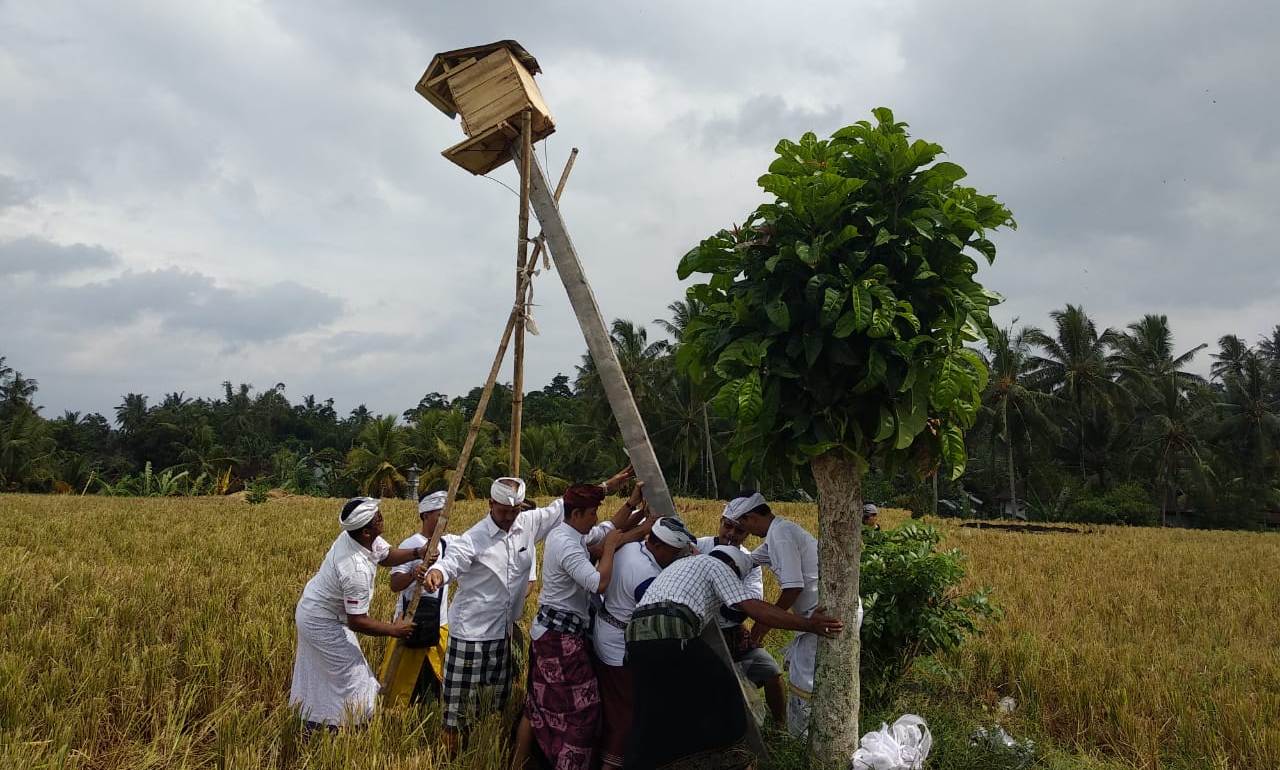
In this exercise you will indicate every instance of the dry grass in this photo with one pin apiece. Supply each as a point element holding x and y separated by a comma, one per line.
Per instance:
<point>150,633</point>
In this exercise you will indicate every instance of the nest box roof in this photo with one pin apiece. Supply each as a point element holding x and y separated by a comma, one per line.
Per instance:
<point>434,85</point>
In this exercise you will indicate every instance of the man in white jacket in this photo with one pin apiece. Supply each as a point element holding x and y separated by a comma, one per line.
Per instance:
<point>491,563</point>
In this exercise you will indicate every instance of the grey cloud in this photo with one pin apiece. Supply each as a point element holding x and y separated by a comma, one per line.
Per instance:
<point>763,119</point>
<point>1136,149</point>
<point>46,258</point>
<point>191,302</point>
<point>14,192</point>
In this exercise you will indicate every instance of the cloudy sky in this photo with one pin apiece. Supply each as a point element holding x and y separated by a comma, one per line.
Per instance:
<point>251,191</point>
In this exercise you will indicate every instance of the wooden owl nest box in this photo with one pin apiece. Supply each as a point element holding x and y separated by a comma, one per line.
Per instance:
<point>489,85</point>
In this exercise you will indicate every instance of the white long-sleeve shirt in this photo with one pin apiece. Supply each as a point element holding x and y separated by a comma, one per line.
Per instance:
<point>492,569</point>
<point>568,576</point>
<point>344,583</point>
<point>792,553</point>
<point>634,568</point>
<point>754,581</point>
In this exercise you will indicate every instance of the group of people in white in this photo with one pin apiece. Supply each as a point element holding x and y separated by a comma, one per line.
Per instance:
<point>617,639</point>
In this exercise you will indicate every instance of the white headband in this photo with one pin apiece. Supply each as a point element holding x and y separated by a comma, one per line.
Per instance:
<point>432,502</point>
<point>501,493</point>
<point>740,505</point>
<point>359,516</point>
<point>673,532</point>
<point>742,560</point>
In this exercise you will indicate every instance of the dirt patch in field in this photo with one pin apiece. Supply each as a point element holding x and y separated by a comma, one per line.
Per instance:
<point>1028,528</point>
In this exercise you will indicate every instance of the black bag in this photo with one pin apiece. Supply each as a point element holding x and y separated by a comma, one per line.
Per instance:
<point>426,618</point>
<point>426,622</point>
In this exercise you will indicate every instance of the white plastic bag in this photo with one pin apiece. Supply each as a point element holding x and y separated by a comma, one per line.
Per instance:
<point>904,746</point>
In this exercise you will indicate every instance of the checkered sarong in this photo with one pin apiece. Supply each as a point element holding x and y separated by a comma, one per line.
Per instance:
<point>473,668</point>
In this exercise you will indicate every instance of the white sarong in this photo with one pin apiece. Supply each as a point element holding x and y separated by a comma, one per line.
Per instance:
<point>801,657</point>
<point>332,682</point>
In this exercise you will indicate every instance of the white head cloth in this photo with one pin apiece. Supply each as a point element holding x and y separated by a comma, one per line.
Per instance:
<point>741,560</point>
<point>501,493</point>
<point>673,532</point>
<point>740,505</point>
<point>432,502</point>
<point>361,515</point>
<point>870,509</point>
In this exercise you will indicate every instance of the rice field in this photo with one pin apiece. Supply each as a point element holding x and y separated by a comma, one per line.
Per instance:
<point>158,633</point>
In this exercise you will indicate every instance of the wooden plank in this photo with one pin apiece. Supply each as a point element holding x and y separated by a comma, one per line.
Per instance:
<point>502,100</point>
<point>499,62</point>
<point>448,74</point>
<point>599,343</point>
<point>600,346</point>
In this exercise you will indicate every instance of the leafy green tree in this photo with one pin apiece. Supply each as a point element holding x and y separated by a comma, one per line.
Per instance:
<point>1173,436</point>
<point>1015,409</point>
<point>375,461</point>
<point>1229,360</point>
<point>1251,425</point>
<point>1144,354</point>
<point>834,334</point>
<point>1076,365</point>
<point>26,451</point>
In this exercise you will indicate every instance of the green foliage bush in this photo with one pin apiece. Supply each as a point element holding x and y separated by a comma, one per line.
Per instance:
<point>1122,504</point>
<point>912,603</point>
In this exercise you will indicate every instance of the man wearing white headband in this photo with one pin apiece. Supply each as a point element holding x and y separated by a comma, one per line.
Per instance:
<point>332,682</point>
<point>635,566</point>
<point>754,661</point>
<point>704,725</point>
<point>491,563</point>
<point>432,609</point>
<point>791,553</point>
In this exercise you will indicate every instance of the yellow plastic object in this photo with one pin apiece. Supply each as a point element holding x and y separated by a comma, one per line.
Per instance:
<point>401,687</point>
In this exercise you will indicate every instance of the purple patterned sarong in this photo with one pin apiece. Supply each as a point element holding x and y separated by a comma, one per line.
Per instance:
<point>563,704</point>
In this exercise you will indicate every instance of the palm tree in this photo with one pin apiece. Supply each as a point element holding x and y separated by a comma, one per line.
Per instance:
<point>1076,366</point>
<point>1251,417</point>
<point>1171,435</point>
<point>640,362</point>
<point>1229,360</point>
<point>544,450</point>
<point>1016,410</point>
<point>132,413</point>
<point>1269,346</point>
<point>26,451</point>
<point>379,453</point>
<point>1144,354</point>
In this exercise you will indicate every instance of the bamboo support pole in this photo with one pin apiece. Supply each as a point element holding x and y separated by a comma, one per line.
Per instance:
<point>473,430</point>
<point>522,252</point>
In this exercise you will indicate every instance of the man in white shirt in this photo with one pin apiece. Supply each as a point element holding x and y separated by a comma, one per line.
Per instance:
<point>427,648</point>
<point>698,727</point>
<point>491,562</point>
<point>332,682</point>
<point>634,568</point>
<point>562,706</point>
<point>792,554</point>
<point>754,661</point>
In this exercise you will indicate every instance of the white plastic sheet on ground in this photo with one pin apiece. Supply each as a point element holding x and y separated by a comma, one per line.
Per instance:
<point>904,746</point>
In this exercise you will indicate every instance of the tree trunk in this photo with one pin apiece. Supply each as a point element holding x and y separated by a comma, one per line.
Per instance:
<point>1013,487</point>
<point>711,460</point>
<point>833,727</point>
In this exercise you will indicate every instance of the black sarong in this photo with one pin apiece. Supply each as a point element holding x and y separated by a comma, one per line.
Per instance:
<point>686,708</point>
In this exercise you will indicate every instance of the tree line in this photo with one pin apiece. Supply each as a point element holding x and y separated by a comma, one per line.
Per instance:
<point>1078,423</point>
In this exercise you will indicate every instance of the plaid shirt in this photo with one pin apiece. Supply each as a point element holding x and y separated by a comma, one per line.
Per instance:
<point>702,583</point>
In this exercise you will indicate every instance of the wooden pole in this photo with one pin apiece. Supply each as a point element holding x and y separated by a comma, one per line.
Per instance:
<point>473,430</point>
<point>599,344</point>
<point>522,244</point>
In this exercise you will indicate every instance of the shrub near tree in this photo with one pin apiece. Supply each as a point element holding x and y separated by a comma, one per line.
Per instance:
<point>832,332</point>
